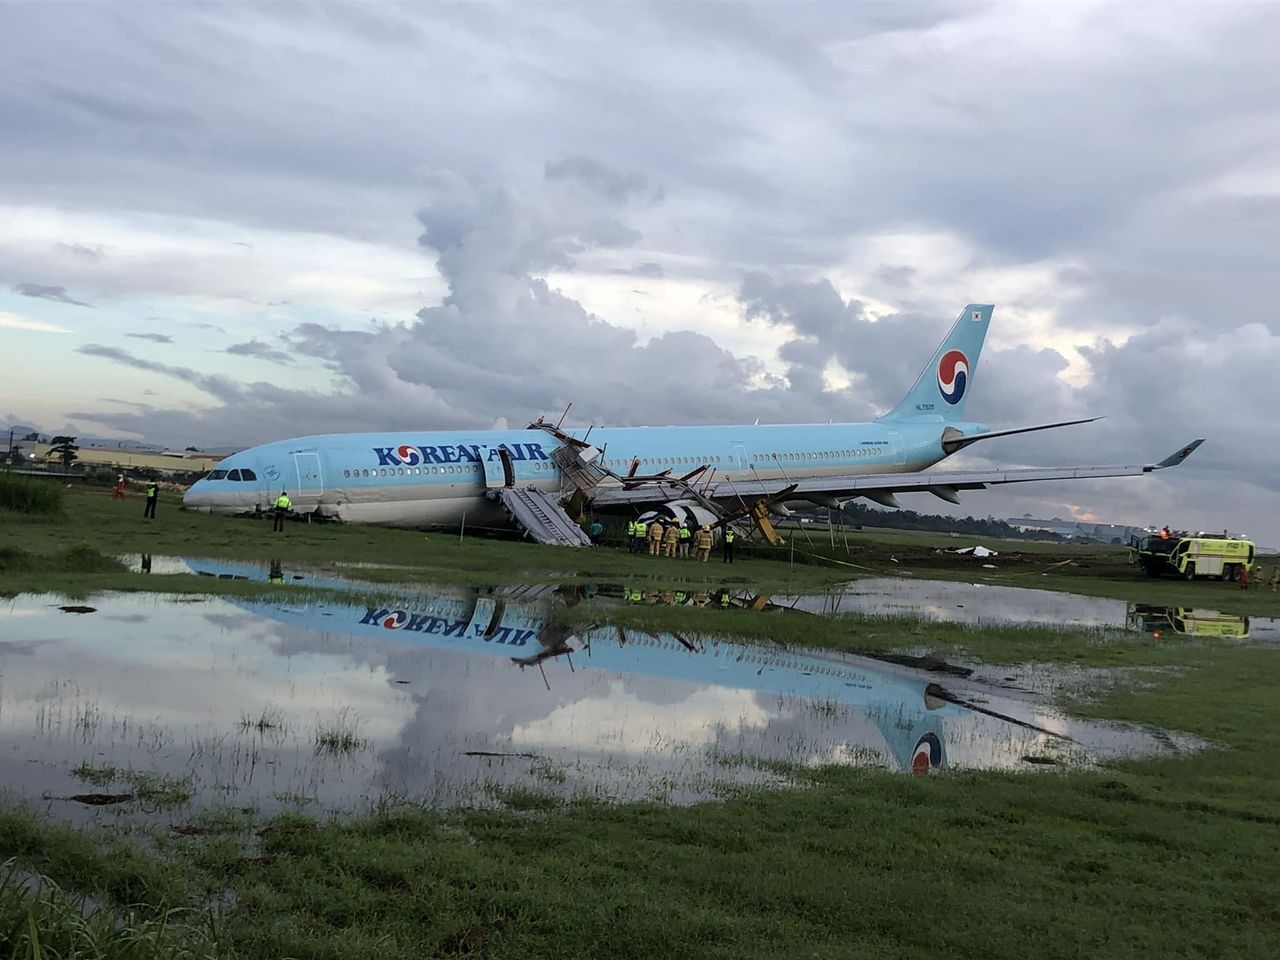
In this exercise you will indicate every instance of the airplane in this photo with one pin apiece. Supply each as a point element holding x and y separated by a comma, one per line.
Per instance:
<point>711,475</point>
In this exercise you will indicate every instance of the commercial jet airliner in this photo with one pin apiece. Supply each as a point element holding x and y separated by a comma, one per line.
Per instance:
<point>712,475</point>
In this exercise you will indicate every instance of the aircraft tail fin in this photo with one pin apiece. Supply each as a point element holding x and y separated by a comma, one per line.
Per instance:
<point>943,386</point>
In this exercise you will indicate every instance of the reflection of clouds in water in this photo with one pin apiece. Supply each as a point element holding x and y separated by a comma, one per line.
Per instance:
<point>618,721</point>
<point>965,603</point>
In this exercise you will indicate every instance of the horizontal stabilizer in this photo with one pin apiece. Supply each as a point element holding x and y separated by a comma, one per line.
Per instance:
<point>953,440</point>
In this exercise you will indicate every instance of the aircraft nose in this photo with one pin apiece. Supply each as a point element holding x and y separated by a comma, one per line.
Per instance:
<point>197,497</point>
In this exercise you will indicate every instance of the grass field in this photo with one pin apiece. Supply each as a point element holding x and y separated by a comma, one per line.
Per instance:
<point>1158,858</point>
<point>91,518</point>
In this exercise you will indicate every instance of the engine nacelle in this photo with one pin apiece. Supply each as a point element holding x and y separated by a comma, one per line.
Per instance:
<point>693,514</point>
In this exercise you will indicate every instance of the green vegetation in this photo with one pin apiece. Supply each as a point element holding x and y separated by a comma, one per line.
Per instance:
<point>73,560</point>
<point>38,919</point>
<point>31,498</point>
<point>1172,858</point>
<point>156,789</point>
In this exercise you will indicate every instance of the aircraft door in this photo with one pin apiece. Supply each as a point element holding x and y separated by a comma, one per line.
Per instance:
<point>310,479</point>
<point>508,468</point>
<point>494,475</point>
<point>739,456</point>
<point>899,449</point>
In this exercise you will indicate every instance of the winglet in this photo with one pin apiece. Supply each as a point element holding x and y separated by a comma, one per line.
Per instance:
<point>1176,458</point>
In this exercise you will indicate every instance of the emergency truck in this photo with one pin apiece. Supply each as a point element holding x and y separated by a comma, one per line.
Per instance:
<point>1190,556</point>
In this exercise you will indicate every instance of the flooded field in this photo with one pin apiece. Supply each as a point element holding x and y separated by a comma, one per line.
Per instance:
<point>936,600</point>
<point>167,703</point>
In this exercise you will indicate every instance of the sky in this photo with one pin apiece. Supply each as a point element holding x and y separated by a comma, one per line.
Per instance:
<point>223,224</point>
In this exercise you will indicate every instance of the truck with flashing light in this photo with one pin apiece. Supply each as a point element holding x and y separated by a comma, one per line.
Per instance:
<point>1191,556</point>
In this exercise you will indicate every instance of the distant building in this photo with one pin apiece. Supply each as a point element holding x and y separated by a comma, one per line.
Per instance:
<point>1078,530</point>
<point>136,458</point>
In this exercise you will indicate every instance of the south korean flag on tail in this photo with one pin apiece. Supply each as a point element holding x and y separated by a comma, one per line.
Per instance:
<point>975,315</point>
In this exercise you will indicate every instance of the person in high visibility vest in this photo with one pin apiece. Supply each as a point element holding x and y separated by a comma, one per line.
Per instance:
<point>642,531</point>
<point>153,496</point>
<point>631,536</point>
<point>685,537</point>
<point>283,506</point>
<point>729,537</point>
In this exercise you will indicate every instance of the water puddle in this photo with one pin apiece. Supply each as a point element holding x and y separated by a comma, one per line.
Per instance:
<point>937,600</point>
<point>167,704</point>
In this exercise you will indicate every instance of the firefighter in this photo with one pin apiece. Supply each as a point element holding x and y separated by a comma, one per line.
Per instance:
<point>685,536</point>
<point>702,543</point>
<point>670,539</point>
<point>153,495</point>
<point>1244,576</point>
<point>729,537</point>
<point>656,533</point>
<point>282,506</point>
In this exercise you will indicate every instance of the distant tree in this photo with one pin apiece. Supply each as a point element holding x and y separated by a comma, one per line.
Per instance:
<point>192,449</point>
<point>33,436</point>
<point>65,449</point>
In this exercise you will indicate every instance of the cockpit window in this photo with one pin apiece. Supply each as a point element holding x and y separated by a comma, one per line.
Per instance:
<point>247,474</point>
<point>233,475</point>
<point>217,475</point>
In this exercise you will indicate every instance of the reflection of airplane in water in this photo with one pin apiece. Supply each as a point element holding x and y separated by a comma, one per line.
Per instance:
<point>912,712</point>
<point>1202,623</point>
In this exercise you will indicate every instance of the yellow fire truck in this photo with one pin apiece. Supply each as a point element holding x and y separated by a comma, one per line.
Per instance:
<point>1191,556</point>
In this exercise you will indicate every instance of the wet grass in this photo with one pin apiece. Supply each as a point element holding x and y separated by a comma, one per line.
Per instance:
<point>41,920</point>
<point>92,518</point>
<point>1174,858</point>
<point>159,790</point>
<point>340,735</point>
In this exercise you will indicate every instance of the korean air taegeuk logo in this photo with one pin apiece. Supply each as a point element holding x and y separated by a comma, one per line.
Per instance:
<point>953,374</point>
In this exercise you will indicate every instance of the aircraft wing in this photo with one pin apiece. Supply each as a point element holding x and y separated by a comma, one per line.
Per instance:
<point>879,486</point>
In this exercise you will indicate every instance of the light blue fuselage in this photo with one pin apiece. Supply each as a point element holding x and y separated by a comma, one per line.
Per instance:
<point>427,478</point>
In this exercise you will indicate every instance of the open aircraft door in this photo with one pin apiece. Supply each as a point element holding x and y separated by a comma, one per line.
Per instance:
<point>499,472</point>
<point>310,480</point>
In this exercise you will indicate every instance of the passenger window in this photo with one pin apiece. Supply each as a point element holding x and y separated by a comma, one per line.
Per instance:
<point>366,473</point>
<point>248,475</point>
<point>233,475</point>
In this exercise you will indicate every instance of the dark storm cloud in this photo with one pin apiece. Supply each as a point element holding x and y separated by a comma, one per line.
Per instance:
<point>260,350</point>
<point>153,337</point>
<point>47,292</point>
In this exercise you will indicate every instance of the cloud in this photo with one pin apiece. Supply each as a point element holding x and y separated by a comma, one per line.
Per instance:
<point>648,269</point>
<point>45,292</point>
<point>15,322</point>
<point>256,348</point>
<point>153,337</point>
